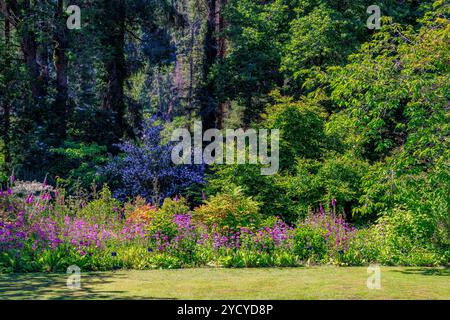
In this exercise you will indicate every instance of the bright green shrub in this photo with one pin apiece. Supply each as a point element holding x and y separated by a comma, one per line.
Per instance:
<point>301,128</point>
<point>171,206</point>
<point>163,218</point>
<point>253,259</point>
<point>310,243</point>
<point>317,182</point>
<point>230,209</point>
<point>269,191</point>
<point>102,208</point>
<point>363,249</point>
<point>408,239</point>
<point>414,207</point>
<point>293,196</point>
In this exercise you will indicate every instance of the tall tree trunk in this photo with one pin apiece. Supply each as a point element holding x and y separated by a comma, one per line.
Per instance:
<point>208,103</point>
<point>191,66</point>
<point>114,42</point>
<point>6,103</point>
<point>220,26</point>
<point>214,46</point>
<point>221,51</point>
<point>61,68</point>
<point>29,49</point>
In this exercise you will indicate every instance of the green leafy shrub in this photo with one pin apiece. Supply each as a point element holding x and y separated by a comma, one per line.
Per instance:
<point>231,209</point>
<point>163,218</point>
<point>365,248</point>
<point>301,128</point>
<point>293,195</point>
<point>171,207</point>
<point>316,183</point>
<point>310,244</point>
<point>253,259</point>
<point>407,239</point>
<point>78,164</point>
<point>269,191</point>
<point>103,208</point>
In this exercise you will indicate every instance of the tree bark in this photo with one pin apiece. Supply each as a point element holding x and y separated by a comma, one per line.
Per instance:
<point>220,27</point>
<point>208,103</point>
<point>29,49</point>
<point>114,42</point>
<point>61,67</point>
<point>214,46</point>
<point>6,104</point>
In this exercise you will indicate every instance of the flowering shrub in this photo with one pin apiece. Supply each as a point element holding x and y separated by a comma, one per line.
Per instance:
<point>323,237</point>
<point>147,170</point>
<point>25,188</point>
<point>140,211</point>
<point>103,208</point>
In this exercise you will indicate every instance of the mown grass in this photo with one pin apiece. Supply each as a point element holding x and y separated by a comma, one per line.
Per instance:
<point>270,283</point>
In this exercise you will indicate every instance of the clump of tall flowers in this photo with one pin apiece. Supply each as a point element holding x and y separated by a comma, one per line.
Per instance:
<point>323,236</point>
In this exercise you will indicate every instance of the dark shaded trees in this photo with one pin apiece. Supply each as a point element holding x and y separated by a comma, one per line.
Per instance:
<point>211,110</point>
<point>113,22</point>
<point>61,44</point>
<point>6,107</point>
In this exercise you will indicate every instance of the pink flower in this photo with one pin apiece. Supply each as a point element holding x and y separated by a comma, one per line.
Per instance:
<point>30,199</point>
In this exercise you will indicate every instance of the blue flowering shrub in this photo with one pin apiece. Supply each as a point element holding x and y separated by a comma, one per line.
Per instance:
<point>146,169</point>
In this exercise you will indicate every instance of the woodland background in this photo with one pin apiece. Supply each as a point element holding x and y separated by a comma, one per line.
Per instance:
<point>364,114</point>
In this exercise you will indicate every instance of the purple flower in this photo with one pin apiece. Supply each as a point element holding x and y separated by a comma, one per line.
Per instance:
<point>29,199</point>
<point>147,162</point>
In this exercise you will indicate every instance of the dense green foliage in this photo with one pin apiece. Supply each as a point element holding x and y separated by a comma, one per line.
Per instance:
<point>363,117</point>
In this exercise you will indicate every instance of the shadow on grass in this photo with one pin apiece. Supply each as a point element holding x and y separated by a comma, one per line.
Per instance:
<point>426,271</point>
<point>54,287</point>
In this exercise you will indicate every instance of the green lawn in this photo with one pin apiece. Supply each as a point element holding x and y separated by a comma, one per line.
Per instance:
<point>285,283</point>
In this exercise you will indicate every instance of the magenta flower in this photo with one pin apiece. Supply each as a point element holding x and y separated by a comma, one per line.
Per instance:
<point>30,199</point>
